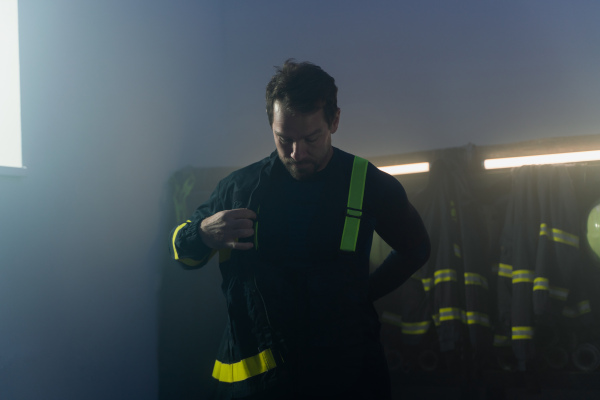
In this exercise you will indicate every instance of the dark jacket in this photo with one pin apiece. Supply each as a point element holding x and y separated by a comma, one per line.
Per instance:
<point>280,311</point>
<point>539,296</point>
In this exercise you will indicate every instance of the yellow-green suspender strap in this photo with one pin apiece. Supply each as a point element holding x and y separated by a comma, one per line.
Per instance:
<point>355,201</point>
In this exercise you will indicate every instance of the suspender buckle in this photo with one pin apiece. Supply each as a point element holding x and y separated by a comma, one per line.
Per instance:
<point>353,213</point>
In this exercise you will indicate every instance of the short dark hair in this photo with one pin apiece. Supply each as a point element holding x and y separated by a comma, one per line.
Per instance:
<point>302,87</point>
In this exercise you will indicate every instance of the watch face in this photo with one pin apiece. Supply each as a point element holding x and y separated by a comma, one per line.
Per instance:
<point>593,230</point>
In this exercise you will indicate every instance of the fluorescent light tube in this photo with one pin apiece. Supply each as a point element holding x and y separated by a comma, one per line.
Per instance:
<point>560,158</point>
<point>406,168</point>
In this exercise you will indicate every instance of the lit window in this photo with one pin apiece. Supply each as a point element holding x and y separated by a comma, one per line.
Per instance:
<point>10,96</point>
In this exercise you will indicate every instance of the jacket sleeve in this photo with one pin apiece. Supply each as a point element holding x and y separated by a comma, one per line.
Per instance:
<point>185,242</point>
<point>401,227</point>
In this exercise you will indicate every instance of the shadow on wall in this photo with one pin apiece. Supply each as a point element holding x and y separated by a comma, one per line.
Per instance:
<point>192,312</point>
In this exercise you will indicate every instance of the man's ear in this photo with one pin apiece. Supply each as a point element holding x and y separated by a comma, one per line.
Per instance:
<point>335,122</point>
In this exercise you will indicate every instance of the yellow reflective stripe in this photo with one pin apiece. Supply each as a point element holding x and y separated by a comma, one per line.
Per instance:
<point>522,337</point>
<point>559,236</point>
<point>523,275</point>
<point>541,284</point>
<point>522,332</point>
<point>186,261</point>
<point>457,250</point>
<point>444,275</point>
<point>457,314</point>
<point>472,278</point>
<point>453,212</point>
<point>355,201</point>
<point>452,313</point>
<point>474,317</point>
<point>559,293</point>
<point>500,341</point>
<point>415,328</point>
<point>583,307</point>
<point>505,270</point>
<point>244,369</point>
<point>391,318</point>
<point>176,255</point>
<point>408,328</point>
<point>427,284</point>
<point>555,292</point>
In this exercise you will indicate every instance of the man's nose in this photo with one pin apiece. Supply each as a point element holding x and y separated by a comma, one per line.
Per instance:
<point>298,151</point>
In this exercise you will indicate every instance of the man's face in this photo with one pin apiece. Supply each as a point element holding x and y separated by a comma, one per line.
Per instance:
<point>303,141</point>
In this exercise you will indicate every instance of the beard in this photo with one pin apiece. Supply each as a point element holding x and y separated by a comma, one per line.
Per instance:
<point>300,170</point>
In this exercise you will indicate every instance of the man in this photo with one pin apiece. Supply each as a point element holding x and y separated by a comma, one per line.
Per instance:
<point>293,232</point>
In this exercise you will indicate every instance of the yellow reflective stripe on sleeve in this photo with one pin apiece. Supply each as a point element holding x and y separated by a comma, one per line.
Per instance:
<point>541,284</point>
<point>355,201</point>
<point>522,332</point>
<point>472,278</point>
<point>501,341</point>
<point>415,328</point>
<point>427,284</point>
<point>391,318</point>
<point>456,314</point>
<point>408,328</point>
<point>175,254</point>
<point>523,275</point>
<point>559,236</point>
<point>474,317</point>
<point>244,369</point>
<point>457,250</point>
<point>582,308</point>
<point>453,212</point>
<point>186,261</point>
<point>452,313</point>
<point>505,270</point>
<point>555,292</point>
<point>559,293</point>
<point>444,275</point>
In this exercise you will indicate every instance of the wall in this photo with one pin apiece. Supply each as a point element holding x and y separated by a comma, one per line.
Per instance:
<point>425,75</point>
<point>111,92</point>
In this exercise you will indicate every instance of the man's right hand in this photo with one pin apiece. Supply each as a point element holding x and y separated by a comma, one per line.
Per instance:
<point>223,229</point>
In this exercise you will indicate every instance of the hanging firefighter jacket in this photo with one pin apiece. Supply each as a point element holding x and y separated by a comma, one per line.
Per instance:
<point>407,310</point>
<point>295,307</point>
<point>411,312</point>
<point>455,279</point>
<point>540,259</point>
